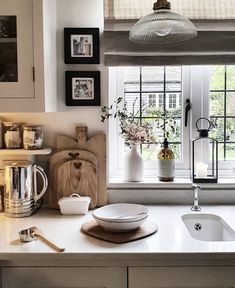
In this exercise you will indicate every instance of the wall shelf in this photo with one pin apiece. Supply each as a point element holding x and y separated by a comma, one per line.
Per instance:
<point>44,151</point>
<point>8,156</point>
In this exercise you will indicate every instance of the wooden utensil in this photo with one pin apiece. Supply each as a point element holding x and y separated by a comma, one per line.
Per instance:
<point>37,233</point>
<point>33,233</point>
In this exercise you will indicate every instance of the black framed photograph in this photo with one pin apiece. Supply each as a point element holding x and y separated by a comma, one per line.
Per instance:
<point>81,46</point>
<point>82,88</point>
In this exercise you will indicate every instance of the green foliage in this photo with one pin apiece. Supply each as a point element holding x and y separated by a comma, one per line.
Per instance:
<point>217,102</point>
<point>165,121</point>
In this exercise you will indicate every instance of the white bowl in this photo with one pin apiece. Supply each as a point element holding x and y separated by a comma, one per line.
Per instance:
<point>120,226</point>
<point>74,204</point>
<point>121,212</point>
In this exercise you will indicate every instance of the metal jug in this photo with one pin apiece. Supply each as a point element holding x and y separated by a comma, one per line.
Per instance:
<point>21,196</point>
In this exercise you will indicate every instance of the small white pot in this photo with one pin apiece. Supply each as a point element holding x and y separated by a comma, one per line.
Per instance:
<point>74,204</point>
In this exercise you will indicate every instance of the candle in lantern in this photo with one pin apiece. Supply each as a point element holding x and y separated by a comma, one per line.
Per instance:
<point>201,170</point>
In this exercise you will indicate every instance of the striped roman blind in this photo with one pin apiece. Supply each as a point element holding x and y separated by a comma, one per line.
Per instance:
<point>193,9</point>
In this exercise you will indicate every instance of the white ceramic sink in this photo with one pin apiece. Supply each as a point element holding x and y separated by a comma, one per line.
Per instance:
<point>208,227</point>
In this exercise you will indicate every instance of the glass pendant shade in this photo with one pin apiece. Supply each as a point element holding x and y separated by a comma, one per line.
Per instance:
<point>162,26</point>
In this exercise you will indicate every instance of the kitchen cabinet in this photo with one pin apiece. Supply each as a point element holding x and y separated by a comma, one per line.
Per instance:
<point>24,76</point>
<point>64,277</point>
<point>119,277</point>
<point>182,277</point>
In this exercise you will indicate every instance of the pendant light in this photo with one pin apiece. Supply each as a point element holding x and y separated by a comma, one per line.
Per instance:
<point>162,26</point>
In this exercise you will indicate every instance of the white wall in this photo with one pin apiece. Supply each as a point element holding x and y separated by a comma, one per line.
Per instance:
<point>70,13</point>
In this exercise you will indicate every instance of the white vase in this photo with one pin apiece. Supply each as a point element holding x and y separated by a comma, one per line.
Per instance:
<point>133,165</point>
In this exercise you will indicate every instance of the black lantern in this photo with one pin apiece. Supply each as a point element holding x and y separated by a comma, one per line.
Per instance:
<point>204,156</point>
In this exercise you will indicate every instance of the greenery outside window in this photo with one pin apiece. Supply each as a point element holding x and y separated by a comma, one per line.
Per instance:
<point>222,109</point>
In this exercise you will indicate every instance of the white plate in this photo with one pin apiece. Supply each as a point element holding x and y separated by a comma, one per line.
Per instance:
<point>121,212</point>
<point>120,227</point>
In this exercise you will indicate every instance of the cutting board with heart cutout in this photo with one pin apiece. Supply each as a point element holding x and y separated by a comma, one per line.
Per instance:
<point>68,149</point>
<point>77,176</point>
<point>56,161</point>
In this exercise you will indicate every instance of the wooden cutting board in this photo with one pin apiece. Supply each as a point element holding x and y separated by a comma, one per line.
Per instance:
<point>93,229</point>
<point>77,176</point>
<point>96,145</point>
<point>56,161</point>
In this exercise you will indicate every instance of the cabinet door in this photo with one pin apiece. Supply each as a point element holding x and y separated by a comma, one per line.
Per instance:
<point>16,49</point>
<point>182,277</point>
<point>64,277</point>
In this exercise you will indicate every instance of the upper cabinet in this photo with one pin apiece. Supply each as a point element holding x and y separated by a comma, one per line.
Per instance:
<point>27,40</point>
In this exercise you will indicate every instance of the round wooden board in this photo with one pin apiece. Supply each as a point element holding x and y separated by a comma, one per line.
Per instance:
<point>93,229</point>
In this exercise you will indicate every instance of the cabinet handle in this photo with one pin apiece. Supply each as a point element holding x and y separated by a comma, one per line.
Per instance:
<point>33,70</point>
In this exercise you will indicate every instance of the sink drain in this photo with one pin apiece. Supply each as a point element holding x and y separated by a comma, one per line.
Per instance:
<point>197,226</point>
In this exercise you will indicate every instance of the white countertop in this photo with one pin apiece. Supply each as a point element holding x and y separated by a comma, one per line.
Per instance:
<point>172,236</point>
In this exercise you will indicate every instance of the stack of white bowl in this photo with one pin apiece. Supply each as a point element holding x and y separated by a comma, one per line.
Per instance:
<point>121,217</point>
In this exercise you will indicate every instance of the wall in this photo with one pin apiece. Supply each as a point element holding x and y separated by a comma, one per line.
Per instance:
<point>70,13</point>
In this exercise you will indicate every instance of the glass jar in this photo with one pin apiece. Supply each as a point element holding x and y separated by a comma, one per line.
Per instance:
<point>11,135</point>
<point>32,137</point>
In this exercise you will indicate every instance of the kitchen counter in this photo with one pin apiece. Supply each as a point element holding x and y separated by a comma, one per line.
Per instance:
<point>172,242</point>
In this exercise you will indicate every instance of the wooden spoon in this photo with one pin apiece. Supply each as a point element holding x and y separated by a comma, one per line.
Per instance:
<point>37,233</point>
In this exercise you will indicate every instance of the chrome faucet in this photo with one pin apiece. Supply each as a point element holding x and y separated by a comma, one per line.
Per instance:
<point>196,189</point>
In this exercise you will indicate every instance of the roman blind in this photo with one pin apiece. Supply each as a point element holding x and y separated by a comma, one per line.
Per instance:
<point>193,9</point>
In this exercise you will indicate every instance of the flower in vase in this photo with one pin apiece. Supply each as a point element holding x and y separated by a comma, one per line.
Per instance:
<point>132,131</point>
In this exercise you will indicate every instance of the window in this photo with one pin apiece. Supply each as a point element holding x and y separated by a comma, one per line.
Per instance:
<point>158,94</point>
<point>141,87</point>
<point>172,101</point>
<point>152,100</point>
<point>160,100</point>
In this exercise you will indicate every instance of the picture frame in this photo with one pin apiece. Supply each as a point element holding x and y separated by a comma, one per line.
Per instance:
<point>82,88</point>
<point>81,46</point>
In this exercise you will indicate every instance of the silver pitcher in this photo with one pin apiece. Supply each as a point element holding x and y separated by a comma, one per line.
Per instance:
<point>21,196</point>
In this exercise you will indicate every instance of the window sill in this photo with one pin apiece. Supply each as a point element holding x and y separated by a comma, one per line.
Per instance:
<point>178,183</point>
<point>153,192</point>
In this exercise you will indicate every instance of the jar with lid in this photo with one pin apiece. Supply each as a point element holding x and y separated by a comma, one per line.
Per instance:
<point>11,135</point>
<point>32,137</point>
